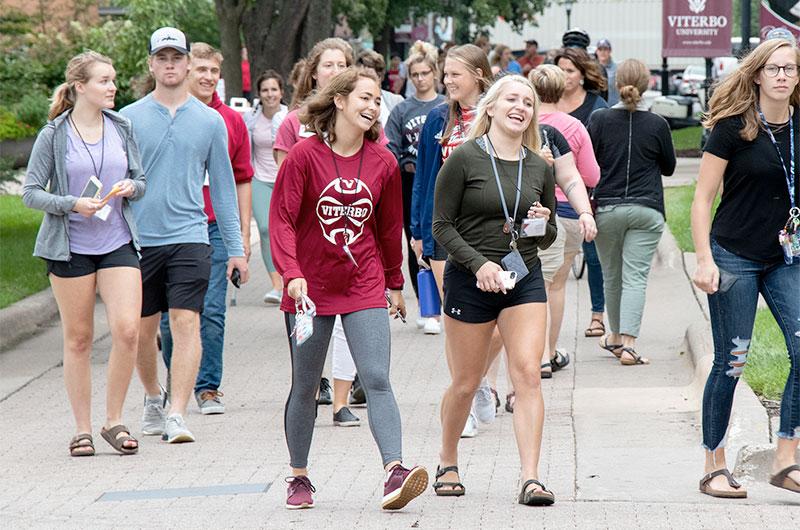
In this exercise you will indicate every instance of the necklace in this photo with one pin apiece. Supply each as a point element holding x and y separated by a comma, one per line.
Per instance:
<point>102,144</point>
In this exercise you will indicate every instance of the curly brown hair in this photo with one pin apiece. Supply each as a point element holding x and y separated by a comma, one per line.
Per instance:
<point>593,78</point>
<point>319,113</point>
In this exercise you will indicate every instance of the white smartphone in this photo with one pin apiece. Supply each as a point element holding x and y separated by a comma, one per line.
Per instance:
<point>92,188</point>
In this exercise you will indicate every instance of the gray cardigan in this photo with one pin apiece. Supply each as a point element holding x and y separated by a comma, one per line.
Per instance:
<point>47,186</point>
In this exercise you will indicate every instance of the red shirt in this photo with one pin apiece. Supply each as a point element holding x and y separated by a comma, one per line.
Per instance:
<point>238,150</point>
<point>307,226</point>
<point>246,85</point>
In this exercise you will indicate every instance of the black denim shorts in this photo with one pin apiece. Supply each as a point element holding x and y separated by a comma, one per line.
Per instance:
<point>85,264</point>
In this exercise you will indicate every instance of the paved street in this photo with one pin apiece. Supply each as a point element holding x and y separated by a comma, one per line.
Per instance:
<point>621,449</point>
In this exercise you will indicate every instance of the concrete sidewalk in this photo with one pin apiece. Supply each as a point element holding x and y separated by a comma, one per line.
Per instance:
<point>621,448</point>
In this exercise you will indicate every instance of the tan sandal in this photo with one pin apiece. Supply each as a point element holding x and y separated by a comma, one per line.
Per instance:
<point>118,443</point>
<point>76,448</point>
<point>738,492</point>
<point>781,479</point>
<point>595,331</point>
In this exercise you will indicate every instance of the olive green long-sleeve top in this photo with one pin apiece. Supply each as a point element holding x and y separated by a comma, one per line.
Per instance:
<point>468,217</point>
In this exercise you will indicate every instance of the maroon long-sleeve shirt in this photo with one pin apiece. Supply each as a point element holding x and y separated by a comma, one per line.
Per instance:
<point>313,210</point>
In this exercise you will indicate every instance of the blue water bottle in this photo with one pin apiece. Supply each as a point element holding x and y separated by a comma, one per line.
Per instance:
<point>429,302</point>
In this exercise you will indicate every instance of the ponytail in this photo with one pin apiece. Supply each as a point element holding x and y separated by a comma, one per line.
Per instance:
<point>78,71</point>
<point>63,99</point>
<point>632,80</point>
<point>630,97</point>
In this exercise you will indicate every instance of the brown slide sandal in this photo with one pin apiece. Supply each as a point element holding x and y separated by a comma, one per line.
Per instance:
<point>540,497</point>
<point>781,479</point>
<point>111,434</point>
<point>76,448</point>
<point>705,488</point>
<point>595,331</point>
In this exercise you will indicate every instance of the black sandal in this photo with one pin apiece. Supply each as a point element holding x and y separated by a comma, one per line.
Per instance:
<point>541,497</point>
<point>438,485</point>
<point>561,360</point>
<point>76,448</point>
<point>637,359</point>
<point>615,349</point>
<point>510,398</point>
<point>546,373</point>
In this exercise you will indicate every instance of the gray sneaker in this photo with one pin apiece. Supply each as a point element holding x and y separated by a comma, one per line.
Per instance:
<point>345,418</point>
<point>209,402</point>
<point>483,403</point>
<point>153,417</point>
<point>175,430</point>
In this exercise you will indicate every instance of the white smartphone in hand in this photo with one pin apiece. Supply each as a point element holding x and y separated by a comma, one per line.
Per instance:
<point>92,188</point>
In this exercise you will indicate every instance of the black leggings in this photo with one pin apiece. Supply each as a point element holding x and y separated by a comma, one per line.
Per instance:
<point>413,267</point>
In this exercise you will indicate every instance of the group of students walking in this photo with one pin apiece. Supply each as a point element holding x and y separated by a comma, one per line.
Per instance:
<point>489,186</point>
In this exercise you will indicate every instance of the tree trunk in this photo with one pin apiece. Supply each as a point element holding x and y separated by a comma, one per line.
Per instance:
<point>229,15</point>
<point>279,32</point>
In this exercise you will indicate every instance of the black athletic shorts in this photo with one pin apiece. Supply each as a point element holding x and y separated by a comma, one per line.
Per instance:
<point>85,264</point>
<point>175,277</point>
<point>465,302</point>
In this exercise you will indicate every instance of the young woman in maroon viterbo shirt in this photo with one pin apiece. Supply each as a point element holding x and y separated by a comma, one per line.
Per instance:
<point>335,230</point>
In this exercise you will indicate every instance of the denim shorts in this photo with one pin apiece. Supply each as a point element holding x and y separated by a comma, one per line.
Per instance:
<point>85,264</point>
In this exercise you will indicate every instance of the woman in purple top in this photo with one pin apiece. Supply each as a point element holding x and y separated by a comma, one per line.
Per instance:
<point>88,237</point>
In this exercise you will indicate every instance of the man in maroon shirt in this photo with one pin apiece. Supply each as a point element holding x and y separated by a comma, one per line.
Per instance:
<point>204,74</point>
<point>531,59</point>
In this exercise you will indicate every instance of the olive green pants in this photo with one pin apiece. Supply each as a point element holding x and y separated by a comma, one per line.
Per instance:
<point>627,237</point>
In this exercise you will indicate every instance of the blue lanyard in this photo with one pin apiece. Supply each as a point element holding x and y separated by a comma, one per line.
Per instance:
<point>789,174</point>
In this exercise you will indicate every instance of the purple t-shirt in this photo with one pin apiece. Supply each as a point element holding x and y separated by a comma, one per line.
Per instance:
<point>94,236</point>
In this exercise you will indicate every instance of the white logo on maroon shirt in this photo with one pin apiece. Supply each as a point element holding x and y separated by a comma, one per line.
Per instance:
<point>347,219</point>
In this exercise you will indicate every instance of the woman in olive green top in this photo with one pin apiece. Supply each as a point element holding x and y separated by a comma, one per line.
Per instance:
<point>491,194</point>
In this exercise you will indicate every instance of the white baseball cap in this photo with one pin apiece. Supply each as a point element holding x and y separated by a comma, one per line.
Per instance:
<point>167,37</point>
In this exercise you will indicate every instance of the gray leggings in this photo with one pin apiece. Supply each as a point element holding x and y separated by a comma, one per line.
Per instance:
<point>367,333</point>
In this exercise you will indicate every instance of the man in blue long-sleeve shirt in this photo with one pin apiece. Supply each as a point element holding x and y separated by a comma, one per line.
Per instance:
<point>181,141</point>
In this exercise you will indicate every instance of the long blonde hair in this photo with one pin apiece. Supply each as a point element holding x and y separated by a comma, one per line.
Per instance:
<point>306,82</point>
<point>482,123</point>
<point>738,93</point>
<point>78,71</point>
<point>475,60</point>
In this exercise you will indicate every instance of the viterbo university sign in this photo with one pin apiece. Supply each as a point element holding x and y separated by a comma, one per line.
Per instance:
<point>696,28</point>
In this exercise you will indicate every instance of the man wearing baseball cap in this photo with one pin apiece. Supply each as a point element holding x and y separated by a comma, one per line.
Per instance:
<point>181,141</point>
<point>607,62</point>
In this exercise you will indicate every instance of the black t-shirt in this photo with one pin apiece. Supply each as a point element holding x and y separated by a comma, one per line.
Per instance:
<point>755,197</point>
<point>553,138</point>
<point>591,103</point>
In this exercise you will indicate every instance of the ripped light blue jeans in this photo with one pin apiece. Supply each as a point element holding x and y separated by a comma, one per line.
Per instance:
<point>732,316</point>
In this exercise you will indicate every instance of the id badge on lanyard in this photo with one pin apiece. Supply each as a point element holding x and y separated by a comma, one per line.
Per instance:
<point>513,260</point>
<point>789,236</point>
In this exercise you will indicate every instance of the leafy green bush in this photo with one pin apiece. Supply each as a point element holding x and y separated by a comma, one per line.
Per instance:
<point>11,128</point>
<point>32,110</point>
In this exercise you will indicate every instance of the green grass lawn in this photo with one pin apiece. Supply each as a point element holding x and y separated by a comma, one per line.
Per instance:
<point>768,361</point>
<point>687,138</point>
<point>678,202</point>
<point>20,273</point>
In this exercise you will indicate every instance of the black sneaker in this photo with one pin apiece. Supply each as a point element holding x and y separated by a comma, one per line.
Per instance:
<point>345,418</point>
<point>324,392</point>
<point>358,396</point>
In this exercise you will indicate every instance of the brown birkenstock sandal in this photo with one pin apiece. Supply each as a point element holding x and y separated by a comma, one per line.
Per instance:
<point>595,331</point>
<point>637,359</point>
<point>455,489</point>
<point>76,448</point>
<point>615,349</point>
<point>536,497</point>
<point>781,479</point>
<point>111,436</point>
<point>738,493</point>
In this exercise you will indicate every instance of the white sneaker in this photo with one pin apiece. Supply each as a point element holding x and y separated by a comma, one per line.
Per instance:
<point>175,430</point>
<point>471,427</point>
<point>483,403</point>
<point>153,416</point>
<point>433,327</point>
<point>421,321</point>
<point>273,297</point>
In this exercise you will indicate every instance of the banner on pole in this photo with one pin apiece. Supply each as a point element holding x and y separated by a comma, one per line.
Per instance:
<point>696,28</point>
<point>780,14</point>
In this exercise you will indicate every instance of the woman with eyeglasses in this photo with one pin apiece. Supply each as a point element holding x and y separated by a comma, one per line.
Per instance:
<point>751,154</point>
<point>403,130</point>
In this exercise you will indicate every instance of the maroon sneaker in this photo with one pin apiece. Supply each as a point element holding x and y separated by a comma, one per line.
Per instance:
<point>403,486</point>
<point>298,494</point>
